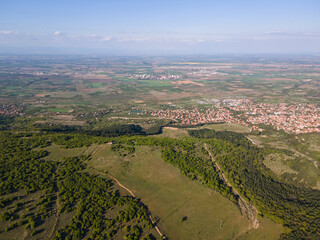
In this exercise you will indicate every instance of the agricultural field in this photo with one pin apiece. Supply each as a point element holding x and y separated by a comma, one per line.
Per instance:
<point>48,82</point>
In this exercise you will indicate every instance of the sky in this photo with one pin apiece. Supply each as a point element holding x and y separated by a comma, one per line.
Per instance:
<point>160,26</point>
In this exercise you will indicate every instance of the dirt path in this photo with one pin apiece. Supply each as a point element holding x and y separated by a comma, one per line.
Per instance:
<point>57,217</point>
<point>56,212</point>
<point>128,190</point>
<point>88,148</point>
<point>246,208</point>
<point>254,142</point>
<point>132,194</point>
<point>95,150</point>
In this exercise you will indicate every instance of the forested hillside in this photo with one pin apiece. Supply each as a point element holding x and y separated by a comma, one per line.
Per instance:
<point>33,191</point>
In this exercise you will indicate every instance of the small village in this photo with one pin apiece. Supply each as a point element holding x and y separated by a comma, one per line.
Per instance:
<point>155,77</point>
<point>11,110</point>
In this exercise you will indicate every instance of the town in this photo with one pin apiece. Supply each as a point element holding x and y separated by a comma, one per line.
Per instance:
<point>11,110</point>
<point>291,118</point>
<point>155,77</point>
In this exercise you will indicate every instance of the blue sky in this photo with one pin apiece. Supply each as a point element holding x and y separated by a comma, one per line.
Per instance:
<point>165,27</point>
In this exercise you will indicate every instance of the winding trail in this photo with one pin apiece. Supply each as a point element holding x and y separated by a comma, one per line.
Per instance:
<point>254,142</point>
<point>132,194</point>
<point>247,209</point>
<point>57,218</point>
<point>95,150</point>
<point>87,149</point>
<point>56,211</point>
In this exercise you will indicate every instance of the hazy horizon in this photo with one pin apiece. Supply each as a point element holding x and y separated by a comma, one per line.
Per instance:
<point>159,27</point>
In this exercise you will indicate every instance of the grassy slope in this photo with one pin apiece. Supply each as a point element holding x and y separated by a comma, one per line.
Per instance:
<point>53,223</point>
<point>234,127</point>
<point>57,153</point>
<point>171,196</point>
<point>304,170</point>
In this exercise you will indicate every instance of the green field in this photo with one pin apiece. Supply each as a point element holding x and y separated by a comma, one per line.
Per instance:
<point>171,198</point>
<point>64,110</point>
<point>298,168</point>
<point>276,162</point>
<point>56,153</point>
<point>234,127</point>
<point>173,133</point>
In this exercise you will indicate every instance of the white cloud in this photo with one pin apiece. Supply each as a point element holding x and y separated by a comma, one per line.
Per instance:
<point>279,34</point>
<point>57,33</point>
<point>7,32</point>
<point>107,38</point>
<point>188,41</point>
<point>134,39</point>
